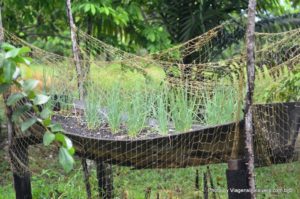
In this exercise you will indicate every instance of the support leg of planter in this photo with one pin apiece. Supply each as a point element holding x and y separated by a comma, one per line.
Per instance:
<point>105,180</point>
<point>86,175</point>
<point>237,180</point>
<point>21,175</point>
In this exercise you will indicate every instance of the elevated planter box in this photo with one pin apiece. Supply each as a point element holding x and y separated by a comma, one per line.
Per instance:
<point>276,131</point>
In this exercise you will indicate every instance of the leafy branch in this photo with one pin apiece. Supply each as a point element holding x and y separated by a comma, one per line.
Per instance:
<point>26,100</point>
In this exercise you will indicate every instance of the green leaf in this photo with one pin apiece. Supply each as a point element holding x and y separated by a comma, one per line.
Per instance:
<point>22,60</point>
<point>64,140</point>
<point>30,84</point>
<point>48,138</point>
<point>87,7</point>
<point>12,53</point>
<point>14,98</point>
<point>27,124</point>
<point>65,159</point>
<point>4,87</point>
<point>40,99</point>
<point>7,46</point>
<point>93,10</point>
<point>23,50</point>
<point>47,122</point>
<point>151,36</point>
<point>46,113</point>
<point>8,70</point>
<point>31,95</point>
<point>56,128</point>
<point>20,111</point>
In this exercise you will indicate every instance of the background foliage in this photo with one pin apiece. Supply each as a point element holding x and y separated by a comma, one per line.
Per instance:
<point>137,25</point>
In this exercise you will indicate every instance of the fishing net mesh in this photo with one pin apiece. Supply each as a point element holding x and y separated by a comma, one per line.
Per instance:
<point>157,119</point>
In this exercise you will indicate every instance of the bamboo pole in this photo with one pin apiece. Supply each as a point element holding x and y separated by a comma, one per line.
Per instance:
<point>250,40</point>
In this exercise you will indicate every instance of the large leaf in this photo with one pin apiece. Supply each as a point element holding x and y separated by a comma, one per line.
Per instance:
<point>40,99</point>
<point>14,98</point>
<point>30,84</point>
<point>24,50</point>
<point>46,113</point>
<point>65,159</point>
<point>48,138</point>
<point>20,111</point>
<point>27,124</point>
<point>16,51</point>
<point>12,53</point>
<point>7,46</point>
<point>8,70</point>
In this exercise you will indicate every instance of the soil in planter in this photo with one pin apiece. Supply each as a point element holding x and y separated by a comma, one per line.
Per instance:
<point>77,125</point>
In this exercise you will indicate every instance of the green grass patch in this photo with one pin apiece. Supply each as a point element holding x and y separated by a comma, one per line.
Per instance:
<point>49,181</point>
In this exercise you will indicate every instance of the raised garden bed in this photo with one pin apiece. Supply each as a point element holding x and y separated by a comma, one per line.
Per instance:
<point>196,147</point>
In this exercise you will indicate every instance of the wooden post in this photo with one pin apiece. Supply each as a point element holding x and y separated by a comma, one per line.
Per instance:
<point>80,84</point>
<point>197,186</point>
<point>205,186</point>
<point>211,182</point>
<point>75,49</point>
<point>250,40</point>
<point>86,175</point>
<point>237,179</point>
<point>105,179</point>
<point>17,151</point>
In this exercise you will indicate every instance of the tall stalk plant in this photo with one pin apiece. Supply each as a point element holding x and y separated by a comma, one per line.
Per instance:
<point>160,111</point>
<point>92,108</point>
<point>137,109</point>
<point>220,106</point>
<point>183,108</point>
<point>114,108</point>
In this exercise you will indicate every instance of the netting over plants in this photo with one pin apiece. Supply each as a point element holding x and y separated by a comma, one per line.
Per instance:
<point>171,111</point>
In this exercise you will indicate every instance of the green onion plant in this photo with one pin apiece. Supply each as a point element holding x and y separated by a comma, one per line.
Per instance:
<point>114,105</point>
<point>137,109</point>
<point>183,108</point>
<point>160,111</point>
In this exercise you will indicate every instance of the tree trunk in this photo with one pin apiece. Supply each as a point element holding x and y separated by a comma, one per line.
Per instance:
<point>250,39</point>
<point>75,50</point>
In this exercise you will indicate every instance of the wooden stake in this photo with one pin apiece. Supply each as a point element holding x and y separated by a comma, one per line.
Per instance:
<point>148,193</point>
<point>75,49</point>
<point>197,180</point>
<point>86,175</point>
<point>205,187</point>
<point>250,40</point>
<point>211,182</point>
